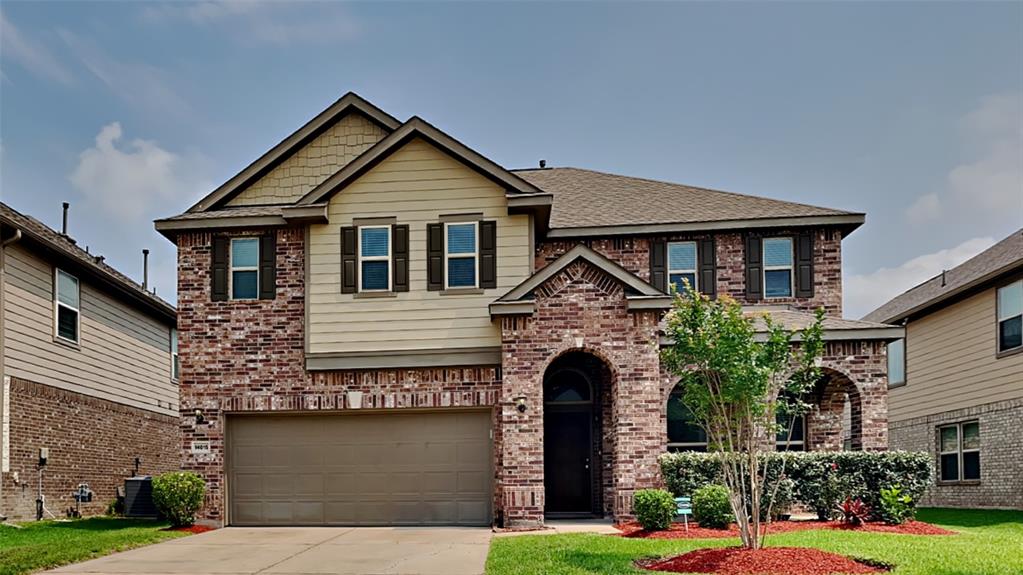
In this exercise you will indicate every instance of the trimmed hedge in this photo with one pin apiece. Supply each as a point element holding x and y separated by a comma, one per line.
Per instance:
<point>655,508</point>
<point>821,480</point>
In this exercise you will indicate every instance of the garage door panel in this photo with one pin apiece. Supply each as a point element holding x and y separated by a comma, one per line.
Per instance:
<point>429,468</point>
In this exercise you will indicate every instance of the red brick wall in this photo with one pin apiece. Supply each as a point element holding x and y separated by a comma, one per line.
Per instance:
<point>633,253</point>
<point>90,440</point>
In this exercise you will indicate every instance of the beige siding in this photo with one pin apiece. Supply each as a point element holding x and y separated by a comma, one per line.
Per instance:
<point>951,363</point>
<point>312,164</point>
<point>416,185</point>
<point>123,356</point>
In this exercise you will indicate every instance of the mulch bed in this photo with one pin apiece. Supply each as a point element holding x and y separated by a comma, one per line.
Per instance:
<point>678,531</point>
<point>191,529</point>
<point>766,561</point>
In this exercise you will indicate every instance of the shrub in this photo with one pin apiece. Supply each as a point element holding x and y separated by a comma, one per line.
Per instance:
<point>782,500</point>
<point>686,471</point>
<point>896,507</point>
<point>854,511</point>
<point>820,486</point>
<point>116,507</point>
<point>178,496</point>
<point>711,507</point>
<point>655,508</point>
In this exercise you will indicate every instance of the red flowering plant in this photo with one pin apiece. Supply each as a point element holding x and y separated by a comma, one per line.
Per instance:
<point>854,512</point>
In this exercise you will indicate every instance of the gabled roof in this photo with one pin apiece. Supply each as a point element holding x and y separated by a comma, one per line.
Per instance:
<point>349,103</point>
<point>591,203</point>
<point>835,328</point>
<point>1003,258</point>
<point>70,255</point>
<point>416,127</point>
<point>640,294</point>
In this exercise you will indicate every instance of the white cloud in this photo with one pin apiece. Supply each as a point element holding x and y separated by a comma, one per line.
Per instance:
<point>30,55</point>
<point>137,179</point>
<point>865,292</point>
<point>926,208</point>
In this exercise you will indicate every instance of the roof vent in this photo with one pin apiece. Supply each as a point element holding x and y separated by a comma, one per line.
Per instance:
<point>99,259</point>
<point>543,164</point>
<point>63,226</point>
<point>145,269</point>
<point>942,278</point>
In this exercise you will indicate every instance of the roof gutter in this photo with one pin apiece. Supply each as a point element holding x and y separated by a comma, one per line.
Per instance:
<point>848,222</point>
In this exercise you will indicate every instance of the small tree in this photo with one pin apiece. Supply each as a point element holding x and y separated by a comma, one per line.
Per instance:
<point>737,380</point>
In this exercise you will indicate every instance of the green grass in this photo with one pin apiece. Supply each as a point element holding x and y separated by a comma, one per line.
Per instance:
<point>47,544</point>
<point>988,543</point>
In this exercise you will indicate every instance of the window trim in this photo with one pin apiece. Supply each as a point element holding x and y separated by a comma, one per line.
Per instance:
<point>57,304</point>
<point>231,267</point>
<point>791,268</point>
<point>959,451</point>
<point>360,258</point>
<point>696,261</point>
<point>905,372</point>
<point>175,356</point>
<point>999,352</point>
<point>462,255</point>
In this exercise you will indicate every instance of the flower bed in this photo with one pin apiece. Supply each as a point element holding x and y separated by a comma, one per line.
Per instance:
<point>678,530</point>
<point>766,561</point>
<point>192,528</point>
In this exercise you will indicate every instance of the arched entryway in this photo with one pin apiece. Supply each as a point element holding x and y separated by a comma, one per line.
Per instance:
<point>836,423</point>
<point>576,389</point>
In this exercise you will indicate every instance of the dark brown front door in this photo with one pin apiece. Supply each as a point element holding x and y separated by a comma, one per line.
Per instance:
<point>567,448</point>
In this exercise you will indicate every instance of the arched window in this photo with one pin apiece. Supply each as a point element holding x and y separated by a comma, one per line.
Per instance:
<point>684,434</point>
<point>567,387</point>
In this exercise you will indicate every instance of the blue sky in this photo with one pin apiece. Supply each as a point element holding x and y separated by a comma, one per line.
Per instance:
<point>911,112</point>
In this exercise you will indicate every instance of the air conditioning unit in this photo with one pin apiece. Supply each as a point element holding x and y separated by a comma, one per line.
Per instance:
<point>138,497</point>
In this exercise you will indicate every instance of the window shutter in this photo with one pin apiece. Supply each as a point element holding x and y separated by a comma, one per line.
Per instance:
<point>659,264</point>
<point>488,255</point>
<point>218,270</point>
<point>434,257</point>
<point>399,257</point>
<point>754,268</point>
<point>708,267</point>
<point>268,266</point>
<point>804,265</point>
<point>349,259</point>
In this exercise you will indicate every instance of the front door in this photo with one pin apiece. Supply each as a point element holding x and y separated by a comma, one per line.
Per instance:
<point>567,448</point>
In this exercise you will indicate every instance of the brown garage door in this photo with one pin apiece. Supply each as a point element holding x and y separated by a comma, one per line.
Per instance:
<point>430,468</point>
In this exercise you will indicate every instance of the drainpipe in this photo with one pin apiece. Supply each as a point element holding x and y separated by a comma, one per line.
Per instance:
<point>3,377</point>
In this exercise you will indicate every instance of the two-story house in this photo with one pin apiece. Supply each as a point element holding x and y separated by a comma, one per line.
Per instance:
<point>88,362</point>
<point>381,326</point>
<point>956,380</point>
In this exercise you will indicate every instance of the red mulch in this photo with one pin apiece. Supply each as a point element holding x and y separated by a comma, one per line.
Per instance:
<point>191,529</point>
<point>766,561</point>
<point>678,531</point>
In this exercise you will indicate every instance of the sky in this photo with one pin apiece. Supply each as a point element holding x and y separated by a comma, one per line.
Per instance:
<point>911,112</point>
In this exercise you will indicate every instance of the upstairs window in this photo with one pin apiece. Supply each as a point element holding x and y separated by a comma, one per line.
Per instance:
<point>375,258</point>
<point>777,267</point>
<point>244,268</point>
<point>1010,317</point>
<point>460,254</point>
<point>175,362</point>
<point>682,265</point>
<point>959,451</point>
<point>897,363</point>
<point>66,302</point>
<point>684,433</point>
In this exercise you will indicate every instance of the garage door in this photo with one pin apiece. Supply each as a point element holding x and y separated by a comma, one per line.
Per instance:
<point>362,469</point>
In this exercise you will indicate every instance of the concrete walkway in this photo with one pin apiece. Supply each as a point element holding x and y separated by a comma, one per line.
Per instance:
<point>306,550</point>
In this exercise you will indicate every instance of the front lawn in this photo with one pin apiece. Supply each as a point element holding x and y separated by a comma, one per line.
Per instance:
<point>988,543</point>
<point>48,544</point>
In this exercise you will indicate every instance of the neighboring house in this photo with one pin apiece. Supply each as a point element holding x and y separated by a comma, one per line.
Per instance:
<point>956,380</point>
<point>88,372</point>
<point>381,326</point>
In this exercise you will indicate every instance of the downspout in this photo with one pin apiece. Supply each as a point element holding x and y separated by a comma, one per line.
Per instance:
<point>3,374</point>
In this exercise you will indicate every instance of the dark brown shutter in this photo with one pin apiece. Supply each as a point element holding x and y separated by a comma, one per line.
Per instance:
<point>488,255</point>
<point>349,259</point>
<point>218,270</point>
<point>659,265</point>
<point>434,257</point>
<point>804,265</point>
<point>268,266</point>
<point>399,257</point>
<point>754,268</point>
<point>707,265</point>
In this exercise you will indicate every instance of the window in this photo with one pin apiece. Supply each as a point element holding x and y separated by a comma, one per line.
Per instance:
<point>897,363</point>
<point>682,264</point>
<point>777,267</point>
<point>375,258</point>
<point>175,362</point>
<point>568,387</point>
<point>66,302</point>
<point>797,440</point>
<point>460,254</point>
<point>244,268</point>
<point>684,433</point>
<point>1010,317</point>
<point>959,451</point>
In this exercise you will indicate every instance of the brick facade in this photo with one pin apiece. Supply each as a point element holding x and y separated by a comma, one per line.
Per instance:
<point>1001,466</point>
<point>90,440</point>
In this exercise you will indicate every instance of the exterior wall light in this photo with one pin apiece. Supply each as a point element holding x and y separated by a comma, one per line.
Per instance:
<point>520,403</point>
<point>199,417</point>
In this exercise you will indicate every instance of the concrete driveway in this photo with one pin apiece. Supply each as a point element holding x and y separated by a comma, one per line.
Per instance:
<point>293,550</point>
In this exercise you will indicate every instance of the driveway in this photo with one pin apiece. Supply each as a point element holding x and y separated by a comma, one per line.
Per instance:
<point>292,550</point>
